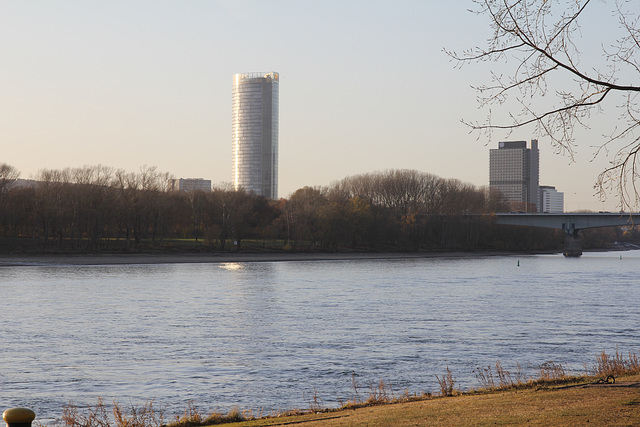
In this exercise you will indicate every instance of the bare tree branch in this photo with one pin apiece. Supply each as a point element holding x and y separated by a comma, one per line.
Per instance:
<point>541,40</point>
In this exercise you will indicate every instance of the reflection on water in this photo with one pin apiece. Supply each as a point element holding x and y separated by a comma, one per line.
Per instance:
<point>231,266</point>
<point>262,335</point>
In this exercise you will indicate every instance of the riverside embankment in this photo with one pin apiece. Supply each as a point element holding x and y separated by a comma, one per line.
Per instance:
<point>573,405</point>
<point>198,258</point>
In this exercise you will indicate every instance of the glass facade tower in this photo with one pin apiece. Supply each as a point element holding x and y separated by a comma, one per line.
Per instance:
<point>255,133</point>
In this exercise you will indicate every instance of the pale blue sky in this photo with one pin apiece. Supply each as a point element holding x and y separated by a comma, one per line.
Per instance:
<point>364,86</point>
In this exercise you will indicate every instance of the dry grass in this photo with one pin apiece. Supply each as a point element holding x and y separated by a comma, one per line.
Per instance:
<point>314,401</point>
<point>616,365</point>
<point>551,372</point>
<point>519,402</point>
<point>447,384</point>
<point>588,404</point>
<point>98,416</point>
<point>145,416</point>
<point>503,378</point>
<point>95,416</point>
<point>380,393</point>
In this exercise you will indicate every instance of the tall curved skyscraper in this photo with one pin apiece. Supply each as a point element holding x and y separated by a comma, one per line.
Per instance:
<point>255,133</point>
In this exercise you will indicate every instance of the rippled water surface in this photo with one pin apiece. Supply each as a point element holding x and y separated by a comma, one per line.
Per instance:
<point>266,336</point>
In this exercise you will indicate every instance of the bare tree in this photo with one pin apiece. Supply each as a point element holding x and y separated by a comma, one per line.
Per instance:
<point>555,83</point>
<point>197,203</point>
<point>223,200</point>
<point>301,214</point>
<point>8,175</point>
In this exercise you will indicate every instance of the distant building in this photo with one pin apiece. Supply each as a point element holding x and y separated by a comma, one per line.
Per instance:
<point>190,184</point>
<point>255,133</point>
<point>514,170</point>
<point>551,200</point>
<point>24,183</point>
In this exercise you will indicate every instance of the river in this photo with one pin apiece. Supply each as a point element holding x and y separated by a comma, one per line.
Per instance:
<point>268,336</point>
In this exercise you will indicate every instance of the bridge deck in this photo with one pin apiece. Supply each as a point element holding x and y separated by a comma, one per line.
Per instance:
<point>569,222</point>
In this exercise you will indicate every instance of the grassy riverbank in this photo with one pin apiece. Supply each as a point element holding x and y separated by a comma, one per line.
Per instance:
<point>585,403</point>
<point>608,394</point>
<point>575,402</point>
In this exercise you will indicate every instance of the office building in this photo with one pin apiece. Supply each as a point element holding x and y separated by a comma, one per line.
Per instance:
<point>190,184</point>
<point>514,170</point>
<point>551,200</point>
<point>255,133</point>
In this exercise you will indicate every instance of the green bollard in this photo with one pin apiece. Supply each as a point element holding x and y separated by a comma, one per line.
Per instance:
<point>18,417</point>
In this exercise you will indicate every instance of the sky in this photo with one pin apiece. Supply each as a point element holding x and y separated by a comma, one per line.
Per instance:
<point>364,86</point>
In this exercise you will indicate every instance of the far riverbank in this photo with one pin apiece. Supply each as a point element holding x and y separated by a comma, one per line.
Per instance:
<point>193,258</point>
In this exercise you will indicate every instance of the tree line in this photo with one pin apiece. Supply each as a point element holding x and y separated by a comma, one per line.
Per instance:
<point>98,208</point>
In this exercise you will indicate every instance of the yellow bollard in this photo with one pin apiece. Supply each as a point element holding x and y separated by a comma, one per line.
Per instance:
<point>18,417</point>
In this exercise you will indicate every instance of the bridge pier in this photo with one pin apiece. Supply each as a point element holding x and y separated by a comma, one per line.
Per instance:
<point>570,223</point>
<point>572,245</point>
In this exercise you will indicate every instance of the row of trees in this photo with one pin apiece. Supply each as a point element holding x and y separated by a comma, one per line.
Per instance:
<point>97,208</point>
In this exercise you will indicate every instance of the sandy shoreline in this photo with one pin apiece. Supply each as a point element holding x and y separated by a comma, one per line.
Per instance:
<point>187,258</point>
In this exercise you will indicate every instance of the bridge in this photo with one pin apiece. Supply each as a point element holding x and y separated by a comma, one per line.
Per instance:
<point>570,223</point>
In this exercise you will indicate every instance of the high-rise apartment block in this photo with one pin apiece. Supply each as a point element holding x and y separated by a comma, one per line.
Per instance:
<point>514,170</point>
<point>255,133</point>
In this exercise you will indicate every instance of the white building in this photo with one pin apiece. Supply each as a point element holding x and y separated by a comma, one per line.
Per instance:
<point>254,133</point>
<point>190,184</point>
<point>551,200</point>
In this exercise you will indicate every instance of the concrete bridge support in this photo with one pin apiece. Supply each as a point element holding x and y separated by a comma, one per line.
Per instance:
<point>572,244</point>
<point>571,224</point>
